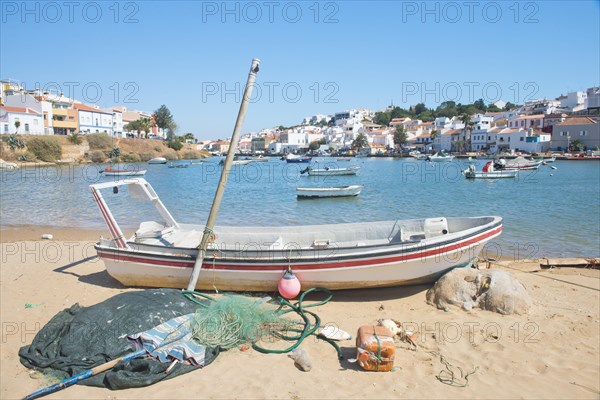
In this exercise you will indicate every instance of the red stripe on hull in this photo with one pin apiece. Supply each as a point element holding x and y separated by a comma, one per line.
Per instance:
<point>300,267</point>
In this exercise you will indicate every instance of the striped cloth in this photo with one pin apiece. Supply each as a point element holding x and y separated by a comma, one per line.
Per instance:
<point>171,340</point>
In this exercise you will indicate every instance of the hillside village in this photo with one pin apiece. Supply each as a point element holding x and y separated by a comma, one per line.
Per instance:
<point>567,122</point>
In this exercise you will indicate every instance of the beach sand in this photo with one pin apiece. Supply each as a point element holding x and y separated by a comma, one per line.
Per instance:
<point>551,353</point>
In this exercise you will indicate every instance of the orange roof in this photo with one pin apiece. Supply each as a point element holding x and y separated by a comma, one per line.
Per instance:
<point>23,110</point>
<point>424,135</point>
<point>578,121</point>
<point>84,107</point>
<point>533,116</point>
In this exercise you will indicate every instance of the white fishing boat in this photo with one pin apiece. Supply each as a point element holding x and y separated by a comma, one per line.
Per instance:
<point>158,160</point>
<point>471,173</point>
<point>440,156</point>
<point>340,191</point>
<point>340,256</point>
<point>236,162</point>
<point>351,170</point>
<point>108,171</point>
<point>259,158</point>
<point>517,164</point>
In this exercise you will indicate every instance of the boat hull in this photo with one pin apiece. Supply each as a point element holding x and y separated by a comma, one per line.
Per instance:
<point>334,269</point>
<point>491,175</point>
<point>124,173</point>
<point>333,172</point>
<point>347,191</point>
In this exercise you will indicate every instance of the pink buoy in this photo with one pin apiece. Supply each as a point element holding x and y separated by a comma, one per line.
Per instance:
<point>289,285</point>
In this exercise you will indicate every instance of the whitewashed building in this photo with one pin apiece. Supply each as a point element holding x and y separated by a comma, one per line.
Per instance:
<point>21,120</point>
<point>94,120</point>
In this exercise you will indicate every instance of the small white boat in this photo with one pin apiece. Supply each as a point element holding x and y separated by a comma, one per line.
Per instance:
<point>488,173</point>
<point>518,164</point>
<point>196,162</point>
<point>236,162</point>
<point>158,160</point>
<point>440,156</point>
<point>162,253</point>
<point>178,165</point>
<point>344,159</point>
<point>340,191</point>
<point>259,158</point>
<point>9,166</point>
<point>352,170</point>
<point>108,171</point>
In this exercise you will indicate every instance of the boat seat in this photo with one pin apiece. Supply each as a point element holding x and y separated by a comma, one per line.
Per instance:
<point>152,230</point>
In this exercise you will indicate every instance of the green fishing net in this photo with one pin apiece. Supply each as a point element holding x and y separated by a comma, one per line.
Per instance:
<point>233,320</point>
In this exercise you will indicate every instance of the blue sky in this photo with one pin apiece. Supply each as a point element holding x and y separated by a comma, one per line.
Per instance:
<point>317,57</point>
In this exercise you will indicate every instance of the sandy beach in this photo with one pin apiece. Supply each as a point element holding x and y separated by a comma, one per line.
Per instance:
<point>551,353</point>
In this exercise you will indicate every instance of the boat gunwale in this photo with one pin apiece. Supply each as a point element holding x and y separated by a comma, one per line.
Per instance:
<point>386,249</point>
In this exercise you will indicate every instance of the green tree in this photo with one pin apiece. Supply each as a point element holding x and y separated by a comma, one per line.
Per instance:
<point>509,106</point>
<point>480,104</point>
<point>17,125</point>
<point>433,135</point>
<point>466,119</point>
<point>187,136</point>
<point>382,118</point>
<point>164,120</point>
<point>419,108</point>
<point>316,144</point>
<point>360,142</point>
<point>576,145</point>
<point>493,108</point>
<point>400,136</point>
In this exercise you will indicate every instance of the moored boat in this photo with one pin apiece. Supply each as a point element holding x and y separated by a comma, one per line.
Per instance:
<point>339,191</point>
<point>440,156</point>
<point>292,158</point>
<point>338,256</point>
<point>178,165</point>
<point>108,171</point>
<point>352,170</point>
<point>519,164</point>
<point>488,172</point>
<point>158,160</point>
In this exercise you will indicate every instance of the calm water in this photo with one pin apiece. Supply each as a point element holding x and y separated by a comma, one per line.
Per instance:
<point>546,212</point>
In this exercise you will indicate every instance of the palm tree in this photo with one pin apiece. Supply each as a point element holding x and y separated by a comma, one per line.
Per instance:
<point>433,135</point>
<point>466,120</point>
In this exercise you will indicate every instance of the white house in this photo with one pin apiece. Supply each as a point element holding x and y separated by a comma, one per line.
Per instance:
<point>574,101</point>
<point>593,98</point>
<point>94,120</point>
<point>37,103</point>
<point>527,121</point>
<point>22,120</point>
